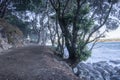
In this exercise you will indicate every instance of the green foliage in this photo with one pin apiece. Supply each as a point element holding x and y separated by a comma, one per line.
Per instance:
<point>69,17</point>
<point>84,24</point>
<point>85,9</point>
<point>84,54</point>
<point>23,5</point>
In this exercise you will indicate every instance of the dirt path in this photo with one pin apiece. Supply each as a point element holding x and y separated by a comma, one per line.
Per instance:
<point>32,63</point>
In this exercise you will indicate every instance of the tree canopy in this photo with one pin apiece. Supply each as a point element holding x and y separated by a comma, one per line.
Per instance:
<point>66,23</point>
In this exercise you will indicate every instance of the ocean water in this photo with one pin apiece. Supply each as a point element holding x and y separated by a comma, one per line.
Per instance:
<point>105,51</point>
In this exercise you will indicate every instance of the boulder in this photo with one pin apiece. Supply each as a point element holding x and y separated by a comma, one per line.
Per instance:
<point>97,71</point>
<point>117,70</point>
<point>115,77</point>
<point>115,61</point>
<point>87,72</point>
<point>105,66</point>
<point>33,63</point>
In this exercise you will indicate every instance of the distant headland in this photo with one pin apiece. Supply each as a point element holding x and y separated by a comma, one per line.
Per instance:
<point>110,40</point>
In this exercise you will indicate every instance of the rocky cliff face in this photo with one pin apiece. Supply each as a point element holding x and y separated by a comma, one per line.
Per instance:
<point>33,63</point>
<point>10,34</point>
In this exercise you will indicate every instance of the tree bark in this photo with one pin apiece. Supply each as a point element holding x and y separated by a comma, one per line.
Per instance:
<point>68,42</point>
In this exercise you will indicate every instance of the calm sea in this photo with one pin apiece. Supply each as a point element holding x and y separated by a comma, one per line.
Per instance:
<point>105,51</point>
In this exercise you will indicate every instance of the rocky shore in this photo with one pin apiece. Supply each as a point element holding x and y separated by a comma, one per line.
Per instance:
<point>98,71</point>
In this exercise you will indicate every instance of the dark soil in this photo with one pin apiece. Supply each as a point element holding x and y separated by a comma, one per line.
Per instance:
<point>33,63</point>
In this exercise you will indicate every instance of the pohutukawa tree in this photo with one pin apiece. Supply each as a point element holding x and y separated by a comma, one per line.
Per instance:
<point>77,20</point>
